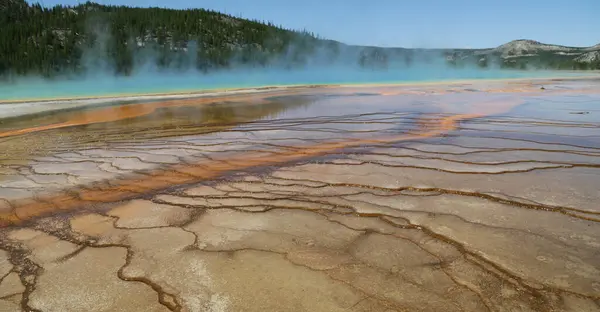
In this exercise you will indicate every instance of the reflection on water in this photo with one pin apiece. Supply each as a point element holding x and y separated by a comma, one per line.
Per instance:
<point>35,136</point>
<point>572,108</point>
<point>559,119</point>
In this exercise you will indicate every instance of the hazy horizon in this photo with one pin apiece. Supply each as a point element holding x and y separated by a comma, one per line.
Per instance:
<point>430,24</point>
<point>99,77</point>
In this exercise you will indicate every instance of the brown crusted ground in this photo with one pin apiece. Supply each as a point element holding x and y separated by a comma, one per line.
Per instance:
<point>460,210</point>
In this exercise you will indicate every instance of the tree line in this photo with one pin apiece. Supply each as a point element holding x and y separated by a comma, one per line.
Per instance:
<point>63,39</point>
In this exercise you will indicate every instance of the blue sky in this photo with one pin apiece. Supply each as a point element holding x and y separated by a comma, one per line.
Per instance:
<point>417,24</point>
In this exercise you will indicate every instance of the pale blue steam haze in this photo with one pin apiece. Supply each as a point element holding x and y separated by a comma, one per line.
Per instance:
<point>423,24</point>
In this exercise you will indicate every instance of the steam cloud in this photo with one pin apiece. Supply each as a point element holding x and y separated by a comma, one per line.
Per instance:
<point>179,67</point>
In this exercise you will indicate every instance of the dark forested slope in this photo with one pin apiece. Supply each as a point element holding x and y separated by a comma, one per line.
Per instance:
<point>35,39</point>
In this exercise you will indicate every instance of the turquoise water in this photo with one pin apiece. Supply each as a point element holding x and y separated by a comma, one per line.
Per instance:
<point>162,82</point>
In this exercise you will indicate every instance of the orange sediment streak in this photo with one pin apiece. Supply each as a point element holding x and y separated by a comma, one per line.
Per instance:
<point>91,117</point>
<point>180,174</point>
<point>136,184</point>
<point>121,112</point>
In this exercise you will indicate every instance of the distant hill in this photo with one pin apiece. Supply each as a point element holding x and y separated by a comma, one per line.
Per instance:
<point>533,54</point>
<point>66,40</point>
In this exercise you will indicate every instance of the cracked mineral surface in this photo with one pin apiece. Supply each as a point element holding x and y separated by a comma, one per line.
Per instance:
<point>474,196</point>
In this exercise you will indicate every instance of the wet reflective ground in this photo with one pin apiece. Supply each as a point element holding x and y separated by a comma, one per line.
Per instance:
<point>459,197</point>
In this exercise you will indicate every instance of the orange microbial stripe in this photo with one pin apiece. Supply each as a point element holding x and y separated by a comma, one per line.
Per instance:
<point>135,185</point>
<point>120,112</point>
<point>115,113</point>
<point>90,117</point>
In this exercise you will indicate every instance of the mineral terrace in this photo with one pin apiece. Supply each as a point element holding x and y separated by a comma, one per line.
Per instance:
<point>479,196</point>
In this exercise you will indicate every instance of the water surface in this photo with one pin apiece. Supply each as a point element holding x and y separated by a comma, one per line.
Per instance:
<point>167,82</point>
